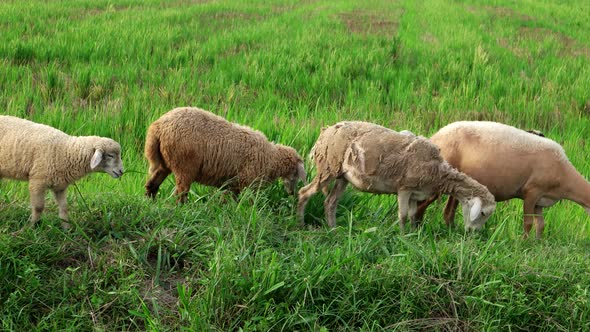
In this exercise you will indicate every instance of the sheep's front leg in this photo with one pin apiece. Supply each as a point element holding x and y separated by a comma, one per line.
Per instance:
<point>423,205</point>
<point>403,205</point>
<point>37,193</point>
<point>61,199</point>
<point>331,202</point>
<point>529,214</point>
<point>450,210</point>
<point>412,208</point>
<point>539,221</point>
<point>305,194</point>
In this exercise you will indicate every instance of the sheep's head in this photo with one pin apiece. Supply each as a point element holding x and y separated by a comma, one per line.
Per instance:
<point>107,158</point>
<point>291,180</point>
<point>477,211</point>
<point>293,169</point>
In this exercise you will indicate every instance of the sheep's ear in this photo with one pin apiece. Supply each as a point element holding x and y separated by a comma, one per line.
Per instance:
<point>475,209</point>
<point>301,172</point>
<point>96,158</point>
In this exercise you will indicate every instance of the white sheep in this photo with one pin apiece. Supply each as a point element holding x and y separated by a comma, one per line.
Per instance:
<point>512,163</point>
<point>379,160</point>
<point>50,159</point>
<point>199,146</point>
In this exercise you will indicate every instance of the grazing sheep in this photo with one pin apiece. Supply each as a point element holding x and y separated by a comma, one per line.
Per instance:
<point>50,159</point>
<point>199,146</point>
<point>511,163</point>
<point>379,160</point>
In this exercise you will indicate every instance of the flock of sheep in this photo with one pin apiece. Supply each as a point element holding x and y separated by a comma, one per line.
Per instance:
<point>476,163</point>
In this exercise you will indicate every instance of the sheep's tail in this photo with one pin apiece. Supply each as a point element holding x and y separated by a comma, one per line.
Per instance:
<point>311,155</point>
<point>152,149</point>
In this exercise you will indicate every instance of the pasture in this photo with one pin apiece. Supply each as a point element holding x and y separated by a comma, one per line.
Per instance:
<point>287,68</point>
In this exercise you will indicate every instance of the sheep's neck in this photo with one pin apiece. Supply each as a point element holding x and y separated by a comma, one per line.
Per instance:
<point>461,186</point>
<point>577,189</point>
<point>77,155</point>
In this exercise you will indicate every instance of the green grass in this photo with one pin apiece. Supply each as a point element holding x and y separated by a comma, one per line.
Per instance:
<point>287,68</point>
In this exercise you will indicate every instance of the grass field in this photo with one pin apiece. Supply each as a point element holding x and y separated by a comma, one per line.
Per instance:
<point>288,68</point>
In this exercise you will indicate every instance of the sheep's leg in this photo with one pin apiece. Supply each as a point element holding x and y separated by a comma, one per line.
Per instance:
<point>450,210</point>
<point>539,221</point>
<point>423,205</point>
<point>153,184</point>
<point>412,208</point>
<point>331,202</point>
<point>183,185</point>
<point>37,192</point>
<point>403,205</point>
<point>61,199</point>
<point>529,211</point>
<point>305,194</point>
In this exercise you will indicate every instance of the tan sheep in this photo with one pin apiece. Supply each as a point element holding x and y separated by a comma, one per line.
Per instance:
<point>50,159</point>
<point>512,163</point>
<point>199,146</point>
<point>379,160</point>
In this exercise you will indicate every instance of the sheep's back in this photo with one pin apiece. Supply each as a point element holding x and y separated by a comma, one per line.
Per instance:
<point>26,148</point>
<point>488,137</point>
<point>390,154</point>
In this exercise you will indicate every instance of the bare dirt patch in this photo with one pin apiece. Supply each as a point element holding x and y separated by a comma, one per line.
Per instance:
<point>507,12</point>
<point>368,23</point>
<point>430,39</point>
<point>568,45</point>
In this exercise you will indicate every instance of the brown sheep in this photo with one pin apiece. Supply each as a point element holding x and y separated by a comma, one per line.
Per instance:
<point>379,160</point>
<point>199,146</point>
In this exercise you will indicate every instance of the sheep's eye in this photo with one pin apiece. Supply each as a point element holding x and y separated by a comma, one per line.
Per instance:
<point>109,155</point>
<point>483,214</point>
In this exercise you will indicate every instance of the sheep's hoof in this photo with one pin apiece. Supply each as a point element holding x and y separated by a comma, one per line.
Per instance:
<point>65,225</point>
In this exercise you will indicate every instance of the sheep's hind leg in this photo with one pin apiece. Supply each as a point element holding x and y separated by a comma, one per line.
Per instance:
<point>37,193</point>
<point>183,185</point>
<point>61,199</point>
<point>305,194</point>
<point>539,221</point>
<point>153,184</point>
<point>331,202</point>
<point>403,205</point>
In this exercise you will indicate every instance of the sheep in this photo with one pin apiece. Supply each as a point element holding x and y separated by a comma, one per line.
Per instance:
<point>511,163</point>
<point>50,159</point>
<point>199,146</point>
<point>379,160</point>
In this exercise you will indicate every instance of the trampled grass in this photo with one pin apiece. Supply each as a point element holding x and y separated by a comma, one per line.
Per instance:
<point>287,68</point>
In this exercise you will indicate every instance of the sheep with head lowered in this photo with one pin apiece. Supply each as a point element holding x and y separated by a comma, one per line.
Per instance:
<point>379,160</point>
<point>50,159</point>
<point>511,163</point>
<point>199,146</point>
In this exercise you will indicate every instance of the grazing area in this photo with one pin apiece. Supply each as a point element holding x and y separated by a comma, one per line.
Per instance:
<point>288,68</point>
